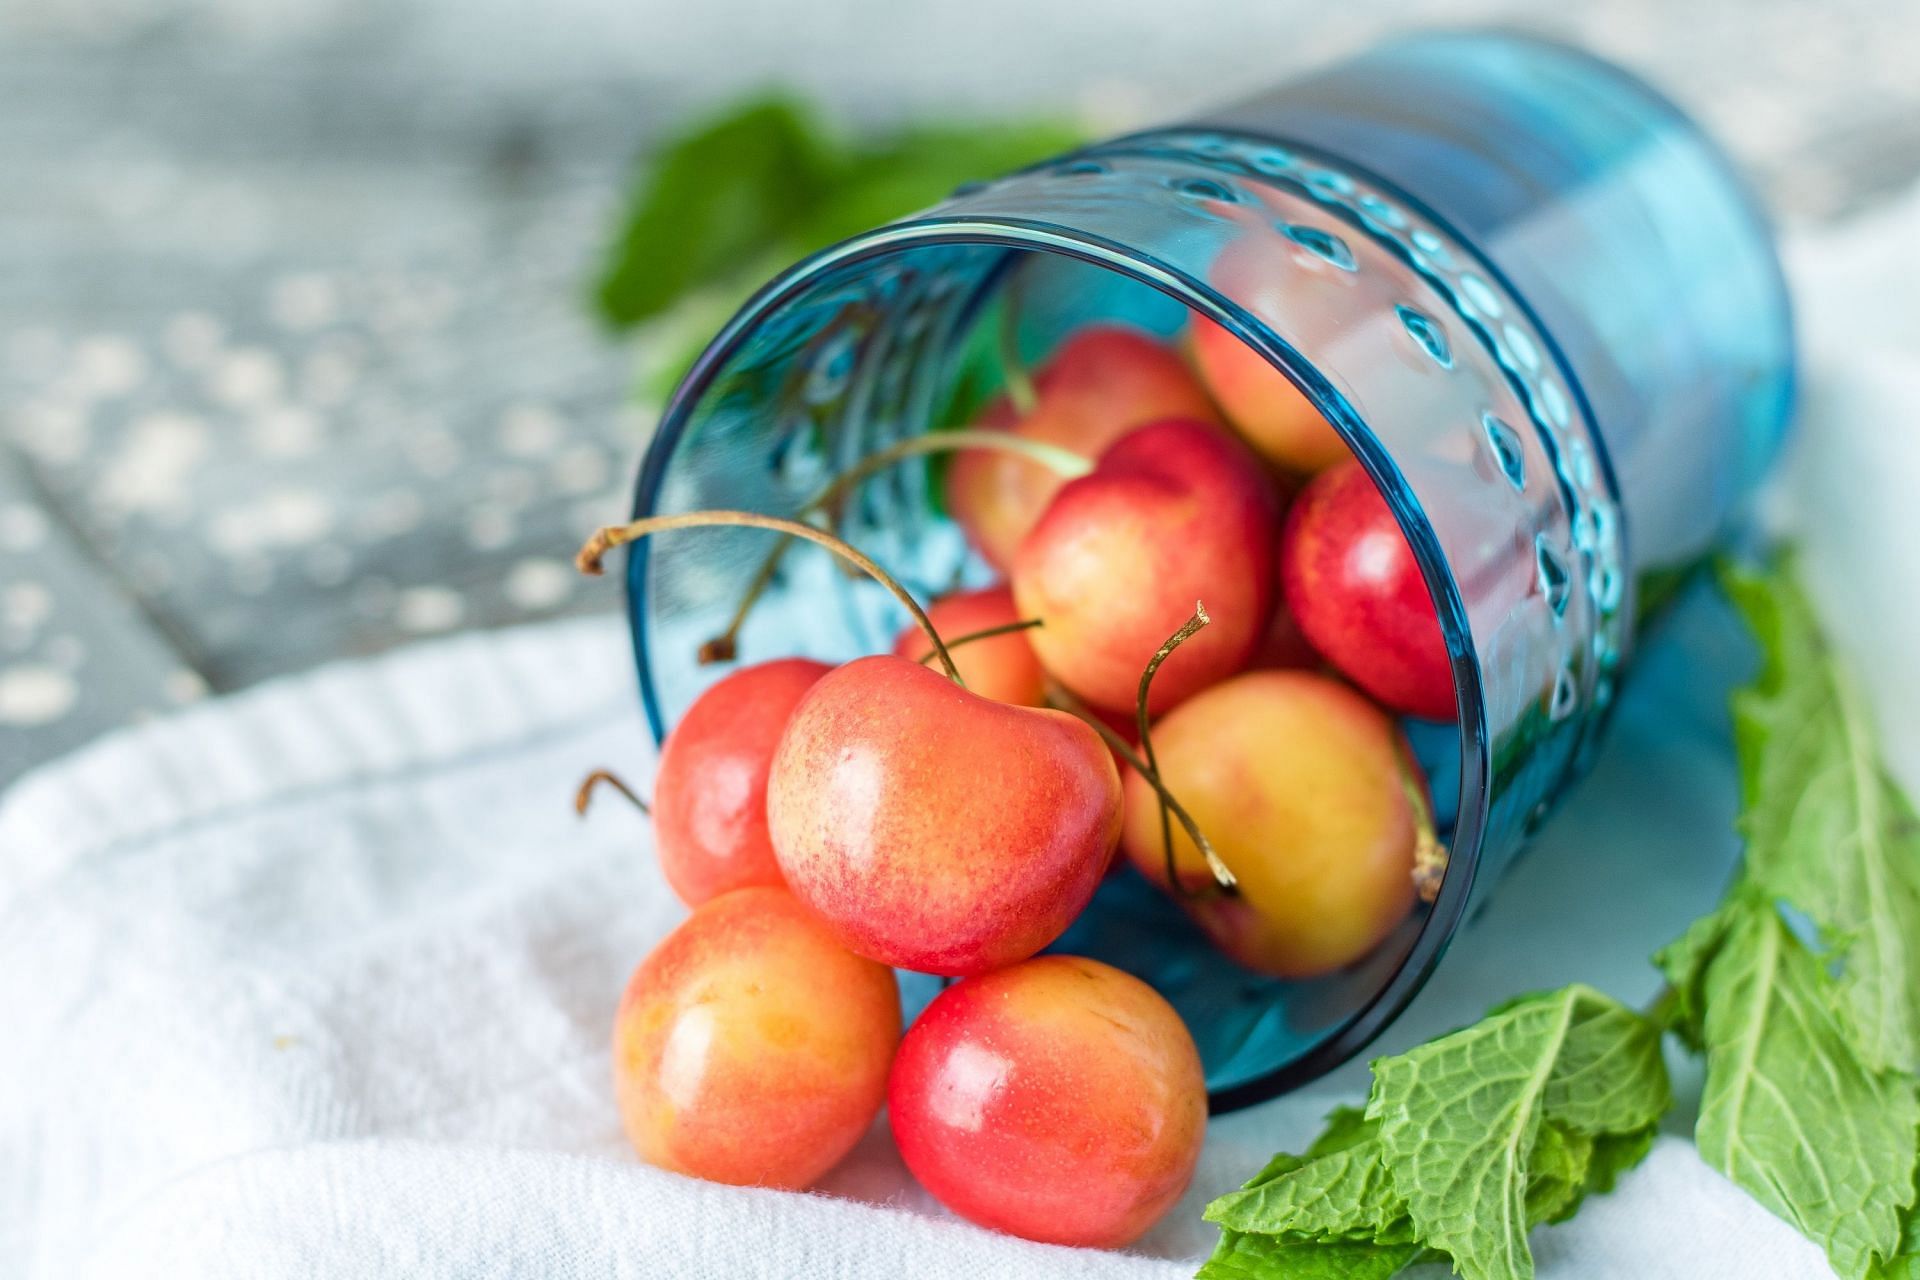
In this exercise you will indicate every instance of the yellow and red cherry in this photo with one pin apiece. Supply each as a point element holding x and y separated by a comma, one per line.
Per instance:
<point>1060,1100</point>
<point>1262,403</point>
<point>1302,785</point>
<point>935,829</point>
<point>1173,512</point>
<point>750,1047</point>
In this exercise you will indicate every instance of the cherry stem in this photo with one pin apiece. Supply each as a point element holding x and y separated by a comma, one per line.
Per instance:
<point>1013,369</point>
<point>988,633</point>
<point>593,553</point>
<point>1064,462</point>
<point>1059,696</point>
<point>1186,632</point>
<point>1430,856</point>
<point>593,781</point>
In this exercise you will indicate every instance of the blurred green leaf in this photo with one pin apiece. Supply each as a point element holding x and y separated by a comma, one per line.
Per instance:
<point>907,172</point>
<point>723,192</point>
<point>745,193</point>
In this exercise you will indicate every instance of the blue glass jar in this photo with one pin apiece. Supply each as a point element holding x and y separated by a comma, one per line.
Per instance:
<point>1534,299</point>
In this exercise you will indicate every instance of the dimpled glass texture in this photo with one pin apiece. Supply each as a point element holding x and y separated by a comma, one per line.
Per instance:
<point>1532,297</point>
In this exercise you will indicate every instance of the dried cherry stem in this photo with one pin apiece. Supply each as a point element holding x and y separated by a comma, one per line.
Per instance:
<point>1140,719</point>
<point>1064,462</point>
<point>1021,392</point>
<point>1429,854</point>
<point>589,784</point>
<point>591,555</point>
<point>988,633</point>
<point>1062,699</point>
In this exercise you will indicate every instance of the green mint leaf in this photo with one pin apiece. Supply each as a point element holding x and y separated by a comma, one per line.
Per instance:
<point>1581,1166</point>
<point>1257,1257</point>
<point>1684,962</point>
<point>1346,1127</point>
<point>1610,1077</point>
<point>1613,1155</point>
<point>1595,1087</point>
<point>1557,1178</point>
<point>1789,1111</point>
<point>1345,1194</point>
<point>1905,1263</point>
<point>721,195</point>
<point>1461,1117</point>
<point>1826,828</point>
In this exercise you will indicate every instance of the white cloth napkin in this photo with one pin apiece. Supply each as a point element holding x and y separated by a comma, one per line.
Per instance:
<point>316,980</point>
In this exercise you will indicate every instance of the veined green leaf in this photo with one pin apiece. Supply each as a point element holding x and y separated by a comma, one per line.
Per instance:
<point>1684,962</point>
<point>1905,1263</point>
<point>1613,1155</point>
<point>1346,1127</point>
<point>1254,1257</point>
<point>1789,1112</point>
<point>1461,1117</point>
<point>1343,1194</point>
<point>1826,828</point>
<point>1557,1173</point>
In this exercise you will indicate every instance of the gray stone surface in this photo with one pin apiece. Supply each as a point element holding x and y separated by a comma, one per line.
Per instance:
<point>293,361</point>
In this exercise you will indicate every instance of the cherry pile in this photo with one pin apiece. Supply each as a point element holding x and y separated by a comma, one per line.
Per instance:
<point>951,807</point>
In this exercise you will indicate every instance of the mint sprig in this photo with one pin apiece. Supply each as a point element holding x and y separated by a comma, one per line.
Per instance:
<point>1801,990</point>
<point>1461,1117</point>
<point>1826,828</point>
<point>1789,1111</point>
<point>1466,1142</point>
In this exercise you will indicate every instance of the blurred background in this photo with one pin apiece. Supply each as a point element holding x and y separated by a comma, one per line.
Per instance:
<point>331,324</point>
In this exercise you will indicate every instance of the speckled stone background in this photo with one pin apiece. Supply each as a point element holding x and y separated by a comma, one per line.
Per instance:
<point>293,358</point>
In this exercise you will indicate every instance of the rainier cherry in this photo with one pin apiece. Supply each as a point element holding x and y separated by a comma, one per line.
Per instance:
<point>935,829</point>
<point>1272,413</point>
<point>1349,577</point>
<point>710,797</point>
<point>1060,1100</point>
<point>1100,383</point>
<point>750,1048</point>
<point>1303,788</point>
<point>1001,667</point>
<point>1174,512</point>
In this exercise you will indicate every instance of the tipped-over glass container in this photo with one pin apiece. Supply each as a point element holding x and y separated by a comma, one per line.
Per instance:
<point>1534,299</point>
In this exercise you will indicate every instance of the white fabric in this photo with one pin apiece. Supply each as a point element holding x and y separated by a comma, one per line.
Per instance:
<point>316,980</point>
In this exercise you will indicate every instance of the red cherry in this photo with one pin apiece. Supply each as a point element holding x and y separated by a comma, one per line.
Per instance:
<point>1175,512</point>
<point>934,829</point>
<point>1059,1099</point>
<point>1351,582</point>
<point>710,797</point>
